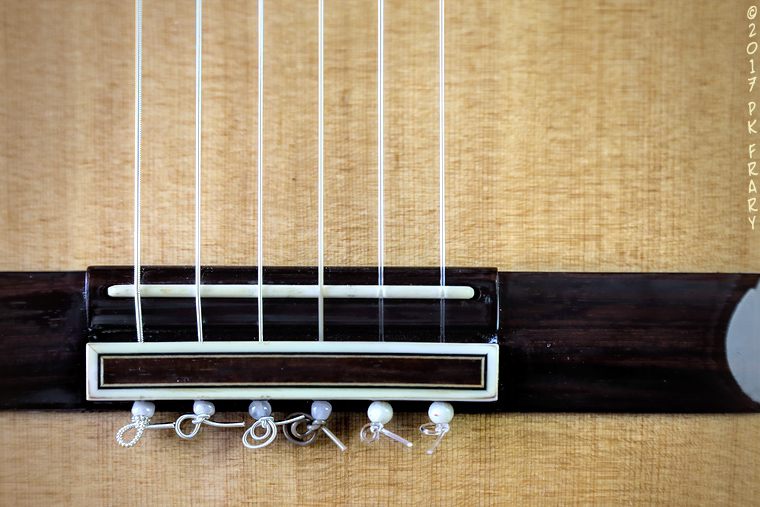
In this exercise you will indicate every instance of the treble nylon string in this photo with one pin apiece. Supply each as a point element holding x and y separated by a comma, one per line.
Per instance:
<point>199,317</point>
<point>441,165</point>
<point>320,176</point>
<point>138,137</point>
<point>380,162</point>
<point>259,169</point>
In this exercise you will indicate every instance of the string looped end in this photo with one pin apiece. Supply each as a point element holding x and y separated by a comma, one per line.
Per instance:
<point>433,429</point>
<point>139,423</point>
<point>379,413</point>
<point>267,425</point>
<point>202,412</point>
<point>196,420</point>
<point>142,411</point>
<point>440,413</point>
<point>371,433</point>
<point>320,411</point>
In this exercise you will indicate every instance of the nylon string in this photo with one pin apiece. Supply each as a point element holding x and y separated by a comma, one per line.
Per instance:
<point>441,164</point>
<point>138,137</point>
<point>260,169</point>
<point>380,164</point>
<point>320,176</point>
<point>198,314</point>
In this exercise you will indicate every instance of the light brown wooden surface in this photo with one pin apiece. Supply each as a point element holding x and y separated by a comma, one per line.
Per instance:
<point>597,136</point>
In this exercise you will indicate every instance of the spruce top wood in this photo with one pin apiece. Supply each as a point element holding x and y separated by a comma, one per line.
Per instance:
<point>568,341</point>
<point>606,136</point>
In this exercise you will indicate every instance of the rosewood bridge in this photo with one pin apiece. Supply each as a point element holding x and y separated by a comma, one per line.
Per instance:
<point>564,341</point>
<point>378,342</point>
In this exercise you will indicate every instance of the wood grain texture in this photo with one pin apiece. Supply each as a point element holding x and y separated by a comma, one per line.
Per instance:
<point>582,136</point>
<point>228,319</point>
<point>569,342</point>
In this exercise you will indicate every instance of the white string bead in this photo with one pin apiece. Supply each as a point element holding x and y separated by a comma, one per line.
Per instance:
<point>259,408</point>
<point>441,412</point>
<point>203,407</point>
<point>380,412</point>
<point>143,408</point>
<point>321,410</point>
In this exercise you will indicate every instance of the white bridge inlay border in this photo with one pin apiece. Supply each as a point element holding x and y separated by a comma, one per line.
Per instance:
<point>489,352</point>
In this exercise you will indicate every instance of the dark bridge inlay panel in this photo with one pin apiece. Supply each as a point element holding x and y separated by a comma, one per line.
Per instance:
<point>292,370</point>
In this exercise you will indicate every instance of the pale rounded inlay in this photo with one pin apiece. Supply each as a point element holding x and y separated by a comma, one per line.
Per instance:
<point>743,343</point>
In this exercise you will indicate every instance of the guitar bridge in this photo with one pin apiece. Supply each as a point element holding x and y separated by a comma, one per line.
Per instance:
<point>407,360</point>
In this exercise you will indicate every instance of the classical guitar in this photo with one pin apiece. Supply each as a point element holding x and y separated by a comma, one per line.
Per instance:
<point>270,315</point>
